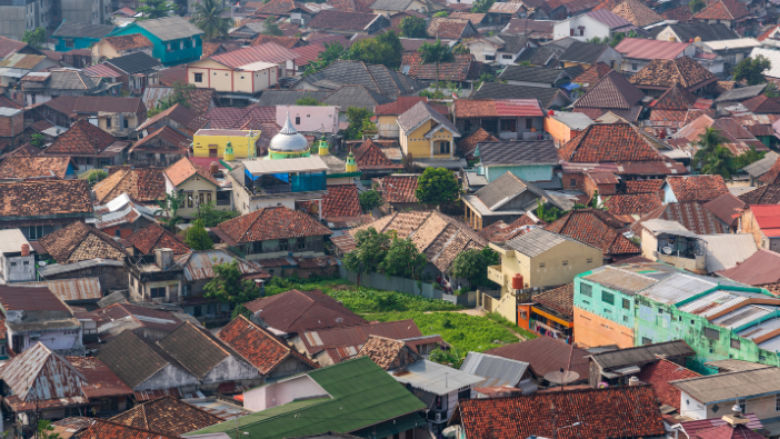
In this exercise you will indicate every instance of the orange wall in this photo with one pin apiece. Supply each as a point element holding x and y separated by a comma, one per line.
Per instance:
<point>593,330</point>
<point>524,323</point>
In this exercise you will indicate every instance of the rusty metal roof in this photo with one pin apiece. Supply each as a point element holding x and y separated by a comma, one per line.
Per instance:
<point>200,265</point>
<point>79,289</point>
<point>38,374</point>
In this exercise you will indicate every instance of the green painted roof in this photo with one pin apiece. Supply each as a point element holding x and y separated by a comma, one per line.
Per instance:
<point>362,394</point>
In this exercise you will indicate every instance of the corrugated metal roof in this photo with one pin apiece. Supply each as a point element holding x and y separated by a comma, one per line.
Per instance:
<point>640,48</point>
<point>496,371</point>
<point>78,289</point>
<point>170,28</point>
<point>731,386</point>
<point>301,164</point>
<point>435,378</point>
<point>40,374</point>
<point>268,52</point>
<point>200,265</point>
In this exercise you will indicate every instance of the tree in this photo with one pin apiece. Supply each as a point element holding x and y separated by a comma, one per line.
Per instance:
<point>413,27</point>
<point>383,49</point>
<point>332,52</point>
<point>169,208</point>
<point>369,200</point>
<point>227,286</point>
<point>697,5</point>
<point>370,250</point>
<point>307,100</point>
<point>37,140</point>
<point>747,158</point>
<point>155,9</point>
<point>403,259</point>
<point>197,238</point>
<point>482,6</point>
<point>93,176</point>
<point>437,186</point>
<point>208,17</point>
<point>435,53</point>
<point>547,212</point>
<point>771,91</point>
<point>472,265</point>
<point>45,430</point>
<point>359,122</point>
<point>712,157</point>
<point>179,95</point>
<point>441,14</point>
<point>751,70</point>
<point>271,28</point>
<point>211,216</point>
<point>35,37</point>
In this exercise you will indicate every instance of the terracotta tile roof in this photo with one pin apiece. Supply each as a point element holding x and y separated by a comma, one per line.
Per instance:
<point>665,73</point>
<point>80,242</point>
<point>256,345</point>
<point>632,204</point>
<point>463,68</point>
<point>180,114</point>
<point>164,140</point>
<point>598,228</point>
<point>369,156</point>
<point>587,413</point>
<point>44,198</point>
<point>166,416</point>
<point>307,53</point>
<point>767,194</point>
<point>592,75</point>
<point>613,91</point>
<point>759,269</point>
<point>341,201</point>
<point>500,232</point>
<point>297,311</point>
<point>126,42</point>
<point>726,208</point>
<point>276,7</point>
<point>722,10</point>
<point>637,13</point>
<point>690,214</point>
<point>697,187</point>
<point>616,142</point>
<point>103,429</point>
<point>280,40</point>
<point>385,352</point>
<point>34,167</point>
<point>762,104</point>
<point>659,373</point>
<point>560,300</point>
<point>675,98</point>
<point>344,343</point>
<point>445,28</point>
<point>681,13</point>
<point>341,20</point>
<point>183,169</point>
<point>546,354</point>
<point>81,139</point>
<point>468,144</point>
<point>143,185</point>
<point>399,106</point>
<point>153,236</point>
<point>101,381</point>
<point>268,52</point>
<point>399,189</point>
<point>465,108</point>
<point>232,118</point>
<point>9,46</point>
<point>270,223</point>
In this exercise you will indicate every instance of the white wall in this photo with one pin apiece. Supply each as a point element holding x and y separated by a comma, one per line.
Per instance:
<point>591,28</point>
<point>282,392</point>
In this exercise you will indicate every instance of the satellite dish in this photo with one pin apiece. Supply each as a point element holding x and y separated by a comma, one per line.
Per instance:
<point>667,250</point>
<point>561,378</point>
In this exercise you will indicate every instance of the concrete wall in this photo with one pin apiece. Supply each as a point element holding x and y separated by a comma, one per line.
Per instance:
<point>169,377</point>
<point>526,173</point>
<point>244,146</point>
<point>17,268</point>
<point>416,144</point>
<point>223,79</point>
<point>593,330</point>
<point>282,392</point>
<point>408,286</point>
<point>195,188</point>
<point>231,369</point>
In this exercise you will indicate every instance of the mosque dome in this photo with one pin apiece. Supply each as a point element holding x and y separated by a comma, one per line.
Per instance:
<point>289,140</point>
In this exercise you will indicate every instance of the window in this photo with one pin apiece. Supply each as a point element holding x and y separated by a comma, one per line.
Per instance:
<point>586,290</point>
<point>284,244</point>
<point>125,123</point>
<point>607,297</point>
<point>529,124</point>
<point>189,198</point>
<point>444,147</point>
<point>108,122</point>
<point>158,292</point>
<point>541,265</point>
<point>712,334</point>
<point>300,243</point>
<point>505,56</point>
<point>735,343</point>
<point>626,304</point>
<point>588,260</point>
<point>777,403</point>
<point>490,57</point>
<point>564,262</point>
<point>634,66</point>
<point>646,340</point>
<point>573,182</point>
<point>297,120</point>
<point>742,405</point>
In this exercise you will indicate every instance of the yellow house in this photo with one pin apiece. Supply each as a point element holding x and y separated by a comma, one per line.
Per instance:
<point>426,133</point>
<point>250,78</point>
<point>212,143</point>
<point>196,187</point>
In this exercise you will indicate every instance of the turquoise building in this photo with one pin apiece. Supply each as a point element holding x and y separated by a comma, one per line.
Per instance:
<point>654,302</point>
<point>71,36</point>
<point>175,40</point>
<point>531,160</point>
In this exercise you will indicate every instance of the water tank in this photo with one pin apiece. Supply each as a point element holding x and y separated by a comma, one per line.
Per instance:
<point>517,282</point>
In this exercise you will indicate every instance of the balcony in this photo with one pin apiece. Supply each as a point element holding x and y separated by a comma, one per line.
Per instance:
<point>495,274</point>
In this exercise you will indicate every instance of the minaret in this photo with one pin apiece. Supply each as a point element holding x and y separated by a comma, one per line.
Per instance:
<point>229,155</point>
<point>351,166</point>
<point>324,148</point>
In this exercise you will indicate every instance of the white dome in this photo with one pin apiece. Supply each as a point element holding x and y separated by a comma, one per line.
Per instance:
<point>289,139</point>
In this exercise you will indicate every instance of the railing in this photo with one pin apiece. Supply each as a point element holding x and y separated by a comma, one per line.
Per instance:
<point>495,274</point>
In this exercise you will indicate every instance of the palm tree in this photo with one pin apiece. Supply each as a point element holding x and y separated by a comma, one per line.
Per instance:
<point>436,53</point>
<point>155,8</point>
<point>208,17</point>
<point>712,157</point>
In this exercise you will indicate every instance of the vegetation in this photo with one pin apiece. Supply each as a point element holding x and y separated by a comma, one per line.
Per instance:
<point>614,39</point>
<point>383,49</point>
<point>472,265</point>
<point>712,157</point>
<point>35,37</point>
<point>432,94</point>
<point>197,238</point>
<point>482,6</point>
<point>179,95</point>
<point>359,123</point>
<point>697,5</point>
<point>271,27</point>
<point>403,259</point>
<point>45,430</point>
<point>751,70</point>
<point>168,213</point>
<point>441,14</point>
<point>210,216</point>
<point>155,9</point>
<point>93,176</point>
<point>228,287</point>
<point>547,212</point>
<point>437,186</point>
<point>37,140</point>
<point>771,91</point>
<point>332,52</point>
<point>307,100</point>
<point>436,53</point>
<point>208,17</point>
<point>413,27</point>
<point>370,200</point>
<point>369,252</point>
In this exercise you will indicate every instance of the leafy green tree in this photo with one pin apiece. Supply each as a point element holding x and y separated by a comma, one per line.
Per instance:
<point>441,14</point>
<point>472,265</point>
<point>437,186</point>
<point>482,6</point>
<point>369,200</point>
<point>403,259</point>
<point>307,100</point>
<point>413,27</point>
<point>37,140</point>
<point>383,49</point>
<point>771,91</point>
<point>271,27</point>
<point>155,9</point>
<point>436,53</point>
<point>547,212</point>
<point>697,5</point>
<point>197,238</point>
<point>747,158</point>
<point>45,430</point>
<point>35,37</point>
<point>93,176</point>
<point>208,17</point>
<point>332,52</point>
<point>180,95</point>
<point>751,70</point>
<point>168,213</point>
<point>227,285</point>
<point>359,122</point>
<point>712,157</point>
<point>370,250</point>
<point>211,216</point>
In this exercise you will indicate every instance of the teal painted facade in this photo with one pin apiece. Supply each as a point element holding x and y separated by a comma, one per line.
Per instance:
<point>65,44</point>
<point>168,52</point>
<point>523,172</point>
<point>606,302</point>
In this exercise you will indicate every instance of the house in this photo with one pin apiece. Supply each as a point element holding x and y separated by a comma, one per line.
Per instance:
<point>166,415</point>
<point>585,413</point>
<point>35,314</point>
<point>444,28</point>
<point>11,120</point>
<point>391,7</point>
<point>690,214</point>
<point>179,118</point>
<point>42,86</point>
<point>138,70</point>
<point>546,355</point>
<point>599,24</point>
<point>278,408</point>
<point>175,39</point>
<point>539,258</point>
<point>730,13</point>
<point>686,31</point>
<point>589,54</point>
<point>275,232</point>
<point>17,257</point>
<point>591,75</point>
<point>671,110</point>
<point>505,199</point>
<point>501,14</point>
<point>534,76</point>
<point>159,148</point>
<point>532,161</point>
<point>119,116</point>
<point>144,185</point>
<point>75,35</point>
<point>519,119</point>
<point>272,358</point>
<point>146,240</point>
<point>17,65</point>
<point>562,126</point>
<point>661,74</point>
<point>348,22</point>
<point>225,144</point>
<point>372,160</point>
<point>727,208</point>
<point>599,229</point>
<point>467,145</point>
<point>121,217</point>
<point>377,79</point>
<point>295,312</point>
<point>613,93</point>
<point>196,186</point>
<point>703,188</point>
<point>637,13</point>
<point>317,120</point>
<point>753,390</point>
<point>464,70</point>
<point>615,367</point>
<point>341,207</point>
<point>763,222</point>
<point>399,191</point>
<point>117,318</point>
<point>247,72</point>
<point>116,46</point>
<point>38,207</point>
<point>550,313</point>
<point>105,392</point>
<point>638,52</point>
<point>387,114</point>
<point>426,134</point>
<point>388,353</point>
<point>501,49</point>
<point>499,373</point>
<point>23,168</point>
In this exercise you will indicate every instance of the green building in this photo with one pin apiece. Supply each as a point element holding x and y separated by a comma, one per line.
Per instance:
<point>654,302</point>
<point>174,39</point>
